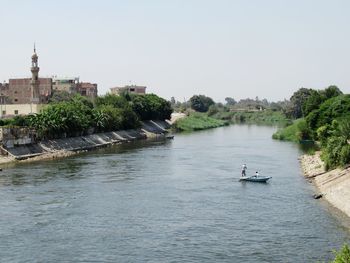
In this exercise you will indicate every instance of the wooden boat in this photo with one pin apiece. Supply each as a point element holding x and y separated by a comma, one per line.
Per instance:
<point>254,178</point>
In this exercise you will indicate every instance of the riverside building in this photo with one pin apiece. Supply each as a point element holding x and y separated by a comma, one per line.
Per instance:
<point>130,89</point>
<point>23,96</point>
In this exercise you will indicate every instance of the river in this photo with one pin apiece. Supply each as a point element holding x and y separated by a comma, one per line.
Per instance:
<point>168,201</point>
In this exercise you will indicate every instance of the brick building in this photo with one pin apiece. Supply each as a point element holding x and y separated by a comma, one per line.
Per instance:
<point>65,84</point>
<point>87,89</point>
<point>25,95</point>
<point>20,91</point>
<point>22,96</point>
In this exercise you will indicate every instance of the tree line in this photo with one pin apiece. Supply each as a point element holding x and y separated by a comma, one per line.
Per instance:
<point>73,115</point>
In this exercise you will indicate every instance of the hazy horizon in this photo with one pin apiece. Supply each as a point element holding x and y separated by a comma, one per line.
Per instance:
<point>221,48</point>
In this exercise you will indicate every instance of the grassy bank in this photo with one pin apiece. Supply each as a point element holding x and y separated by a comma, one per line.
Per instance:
<point>289,133</point>
<point>198,121</point>
<point>267,117</point>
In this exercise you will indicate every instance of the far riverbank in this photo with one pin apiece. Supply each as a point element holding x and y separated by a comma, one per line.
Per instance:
<point>334,185</point>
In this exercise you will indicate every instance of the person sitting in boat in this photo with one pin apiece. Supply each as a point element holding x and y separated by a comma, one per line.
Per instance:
<point>244,168</point>
<point>256,174</point>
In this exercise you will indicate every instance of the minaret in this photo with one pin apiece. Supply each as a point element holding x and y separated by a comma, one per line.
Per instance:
<point>34,83</point>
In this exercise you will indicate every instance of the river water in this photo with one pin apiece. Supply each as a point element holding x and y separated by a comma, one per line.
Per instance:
<point>168,201</point>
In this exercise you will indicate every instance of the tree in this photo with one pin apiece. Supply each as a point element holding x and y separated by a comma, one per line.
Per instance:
<point>150,106</point>
<point>113,100</point>
<point>313,102</point>
<point>297,101</point>
<point>201,103</point>
<point>332,91</point>
<point>172,101</point>
<point>230,101</point>
<point>60,96</point>
<point>332,109</point>
<point>337,148</point>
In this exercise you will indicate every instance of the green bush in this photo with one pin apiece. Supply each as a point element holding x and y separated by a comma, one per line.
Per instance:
<point>151,107</point>
<point>336,148</point>
<point>331,109</point>
<point>213,109</point>
<point>304,132</point>
<point>201,103</point>
<point>113,100</point>
<point>289,133</point>
<point>343,255</point>
<point>198,121</point>
<point>63,119</point>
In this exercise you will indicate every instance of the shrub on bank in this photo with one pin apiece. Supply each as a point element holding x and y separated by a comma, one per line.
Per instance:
<point>198,121</point>
<point>336,147</point>
<point>268,117</point>
<point>343,255</point>
<point>289,133</point>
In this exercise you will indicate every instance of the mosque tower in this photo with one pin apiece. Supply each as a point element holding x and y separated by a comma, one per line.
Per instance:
<point>34,82</point>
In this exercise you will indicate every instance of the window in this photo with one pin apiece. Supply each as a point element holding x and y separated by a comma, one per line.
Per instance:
<point>3,112</point>
<point>132,89</point>
<point>16,112</point>
<point>16,100</point>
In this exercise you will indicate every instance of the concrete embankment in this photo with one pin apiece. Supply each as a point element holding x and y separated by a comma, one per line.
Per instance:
<point>333,185</point>
<point>49,149</point>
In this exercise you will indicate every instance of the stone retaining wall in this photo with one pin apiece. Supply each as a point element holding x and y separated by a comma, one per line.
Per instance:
<point>149,129</point>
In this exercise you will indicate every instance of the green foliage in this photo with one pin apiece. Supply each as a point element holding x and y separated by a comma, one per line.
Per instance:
<point>112,100</point>
<point>323,133</point>
<point>343,255</point>
<point>297,100</point>
<point>316,98</point>
<point>150,106</point>
<point>18,120</point>
<point>65,118</point>
<point>331,91</point>
<point>213,109</point>
<point>304,132</point>
<point>198,121</point>
<point>289,133</point>
<point>60,96</point>
<point>268,117</point>
<point>109,118</point>
<point>336,148</point>
<point>331,109</point>
<point>230,101</point>
<point>312,102</point>
<point>201,103</point>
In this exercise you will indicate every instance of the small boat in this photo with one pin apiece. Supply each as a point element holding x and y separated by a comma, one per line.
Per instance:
<point>170,137</point>
<point>255,178</point>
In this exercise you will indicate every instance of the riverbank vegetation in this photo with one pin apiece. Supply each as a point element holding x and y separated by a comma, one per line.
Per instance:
<point>249,111</point>
<point>198,121</point>
<point>77,115</point>
<point>323,117</point>
<point>343,255</point>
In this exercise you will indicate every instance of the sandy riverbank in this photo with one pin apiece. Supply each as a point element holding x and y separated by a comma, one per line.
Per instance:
<point>334,185</point>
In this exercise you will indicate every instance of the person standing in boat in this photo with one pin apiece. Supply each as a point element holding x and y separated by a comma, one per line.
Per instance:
<point>256,174</point>
<point>244,168</point>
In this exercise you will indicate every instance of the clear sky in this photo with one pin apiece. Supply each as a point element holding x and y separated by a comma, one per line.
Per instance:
<point>219,48</point>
